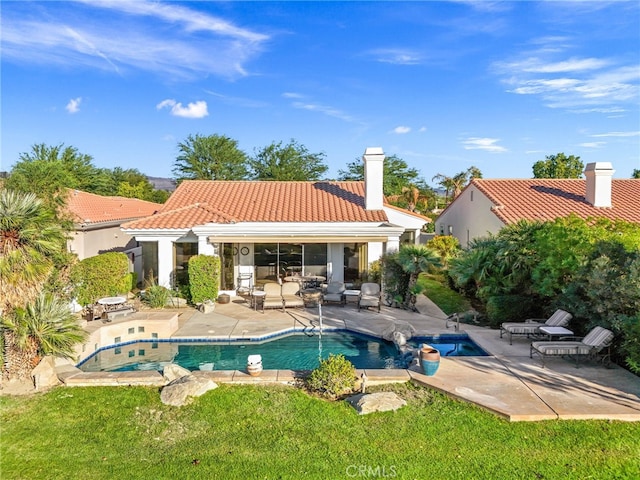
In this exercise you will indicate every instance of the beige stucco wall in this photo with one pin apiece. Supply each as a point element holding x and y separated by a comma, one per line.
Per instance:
<point>144,325</point>
<point>90,243</point>
<point>469,217</point>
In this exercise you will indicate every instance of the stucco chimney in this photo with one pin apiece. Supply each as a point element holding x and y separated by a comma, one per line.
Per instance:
<point>599,175</point>
<point>373,166</point>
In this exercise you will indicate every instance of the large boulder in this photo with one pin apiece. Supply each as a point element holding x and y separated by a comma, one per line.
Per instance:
<point>172,372</point>
<point>44,374</point>
<point>182,390</point>
<point>376,402</point>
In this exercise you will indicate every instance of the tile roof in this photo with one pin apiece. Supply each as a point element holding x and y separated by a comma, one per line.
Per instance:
<point>90,208</point>
<point>547,199</point>
<point>196,202</point>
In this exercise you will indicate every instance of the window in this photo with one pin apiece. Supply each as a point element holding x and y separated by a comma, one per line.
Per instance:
<point>140,329</point>
<point>273,260</point>
<point>149,261</point>
<point>131,331</point>
<point>117,340</point>
<point>154,335</point>
<point>183,252</point>
<point>355,261</point>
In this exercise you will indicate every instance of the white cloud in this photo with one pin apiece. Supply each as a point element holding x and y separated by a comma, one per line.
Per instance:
<point>169,39</point>
<point>618,134</point>
<point>396,56</point>
<point>423,129</point>
<point>401,129</point>
<point>192,110</point>
<point>74,105</point>
<point>326,110</point>
<point>592,144</point>
<point>486,144</point>
<point>579,84</point>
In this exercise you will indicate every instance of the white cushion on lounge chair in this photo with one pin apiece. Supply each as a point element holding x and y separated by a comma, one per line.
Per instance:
<point>531,326</point>
<point>594,342</point>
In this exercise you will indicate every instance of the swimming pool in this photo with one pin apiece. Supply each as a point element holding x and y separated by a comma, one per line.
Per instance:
<point>298,351</point>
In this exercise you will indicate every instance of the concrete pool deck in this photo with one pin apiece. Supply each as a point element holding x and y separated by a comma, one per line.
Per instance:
<point>507,382</point>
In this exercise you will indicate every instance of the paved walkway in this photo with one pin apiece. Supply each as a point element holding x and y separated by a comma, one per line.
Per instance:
<point>507,382</point>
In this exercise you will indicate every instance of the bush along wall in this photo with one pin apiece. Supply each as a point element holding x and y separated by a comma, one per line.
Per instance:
<point>204,278</point>
<point>104,275</point>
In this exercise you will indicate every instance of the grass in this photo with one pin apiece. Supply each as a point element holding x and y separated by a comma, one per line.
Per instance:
<point>274,432</point>
<point>436,288</point>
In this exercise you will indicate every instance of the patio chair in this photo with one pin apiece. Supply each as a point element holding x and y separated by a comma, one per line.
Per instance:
<point>370,296</point>
<point>272,296</point>
<point>531,326</point>
<point>290,297</point>
<point>589,347</point>
<point>334,293</point>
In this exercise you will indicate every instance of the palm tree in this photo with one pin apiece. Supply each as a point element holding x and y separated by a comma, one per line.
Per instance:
<point>446,183</point>
<point>30,237</point>
<point>414,260</point>
<point>411,196</point>
<point>45,327</point>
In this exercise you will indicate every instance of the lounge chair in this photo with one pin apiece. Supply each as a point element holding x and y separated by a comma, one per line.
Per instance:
<point>334,293</point>
<point>530,326</point>
<point>589,347</point>
<point>370,296</point>
<point>273,296</point>
<point>290,296</point>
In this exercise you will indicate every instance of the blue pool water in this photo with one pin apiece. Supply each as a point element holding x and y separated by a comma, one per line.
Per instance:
<point>298,351</point>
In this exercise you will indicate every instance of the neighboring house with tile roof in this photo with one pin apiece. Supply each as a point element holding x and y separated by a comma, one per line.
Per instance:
<point>268,230</point>
<point>485,206</point>
<point>97,219</point>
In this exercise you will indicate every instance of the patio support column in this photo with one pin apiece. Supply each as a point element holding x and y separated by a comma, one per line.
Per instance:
<point>204,247</point>
<point>165,261</point>
<point>393,244</point>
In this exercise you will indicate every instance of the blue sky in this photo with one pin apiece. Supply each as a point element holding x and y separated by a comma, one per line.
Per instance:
<point>442,85</point>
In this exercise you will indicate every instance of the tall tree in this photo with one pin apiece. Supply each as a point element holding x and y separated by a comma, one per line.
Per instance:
<point>455,184</point>
<point>636,173</point>
<point>558,166</point>
<point>213,157</point>
<point>290,162</point>
<point>396,175</point>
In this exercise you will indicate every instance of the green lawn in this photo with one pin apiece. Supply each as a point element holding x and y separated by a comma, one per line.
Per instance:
<point>436,288</point>
<point>249,432</point>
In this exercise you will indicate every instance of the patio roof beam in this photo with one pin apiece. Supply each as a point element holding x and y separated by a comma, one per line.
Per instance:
<point>296,238</point>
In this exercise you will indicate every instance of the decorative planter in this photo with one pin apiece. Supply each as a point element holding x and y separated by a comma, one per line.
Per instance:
<point>429,359</point>
<point>254,365</point>
<point>224,298</point>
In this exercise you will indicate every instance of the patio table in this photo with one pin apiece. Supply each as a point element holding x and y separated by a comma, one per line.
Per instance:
<point>112,303</point>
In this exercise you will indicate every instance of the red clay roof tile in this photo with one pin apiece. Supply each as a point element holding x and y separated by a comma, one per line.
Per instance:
<point>87,207</point>
<point>261,201</point>
<point>547,199</point>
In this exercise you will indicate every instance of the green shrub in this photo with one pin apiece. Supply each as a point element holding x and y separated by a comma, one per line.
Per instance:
<point>204,277</point>
<point>504,308</point>
<point>335,376</point>
<point>104,275</point>
<point>157,296</point>
<point>631,345</point>
<point>396,280</point>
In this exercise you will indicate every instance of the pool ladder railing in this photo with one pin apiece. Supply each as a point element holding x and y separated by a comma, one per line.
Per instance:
<point>453,319</point>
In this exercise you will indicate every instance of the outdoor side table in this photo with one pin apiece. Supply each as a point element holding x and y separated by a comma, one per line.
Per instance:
<point>552,332</point>
<point>351,296</point>
<point>258,296</point>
